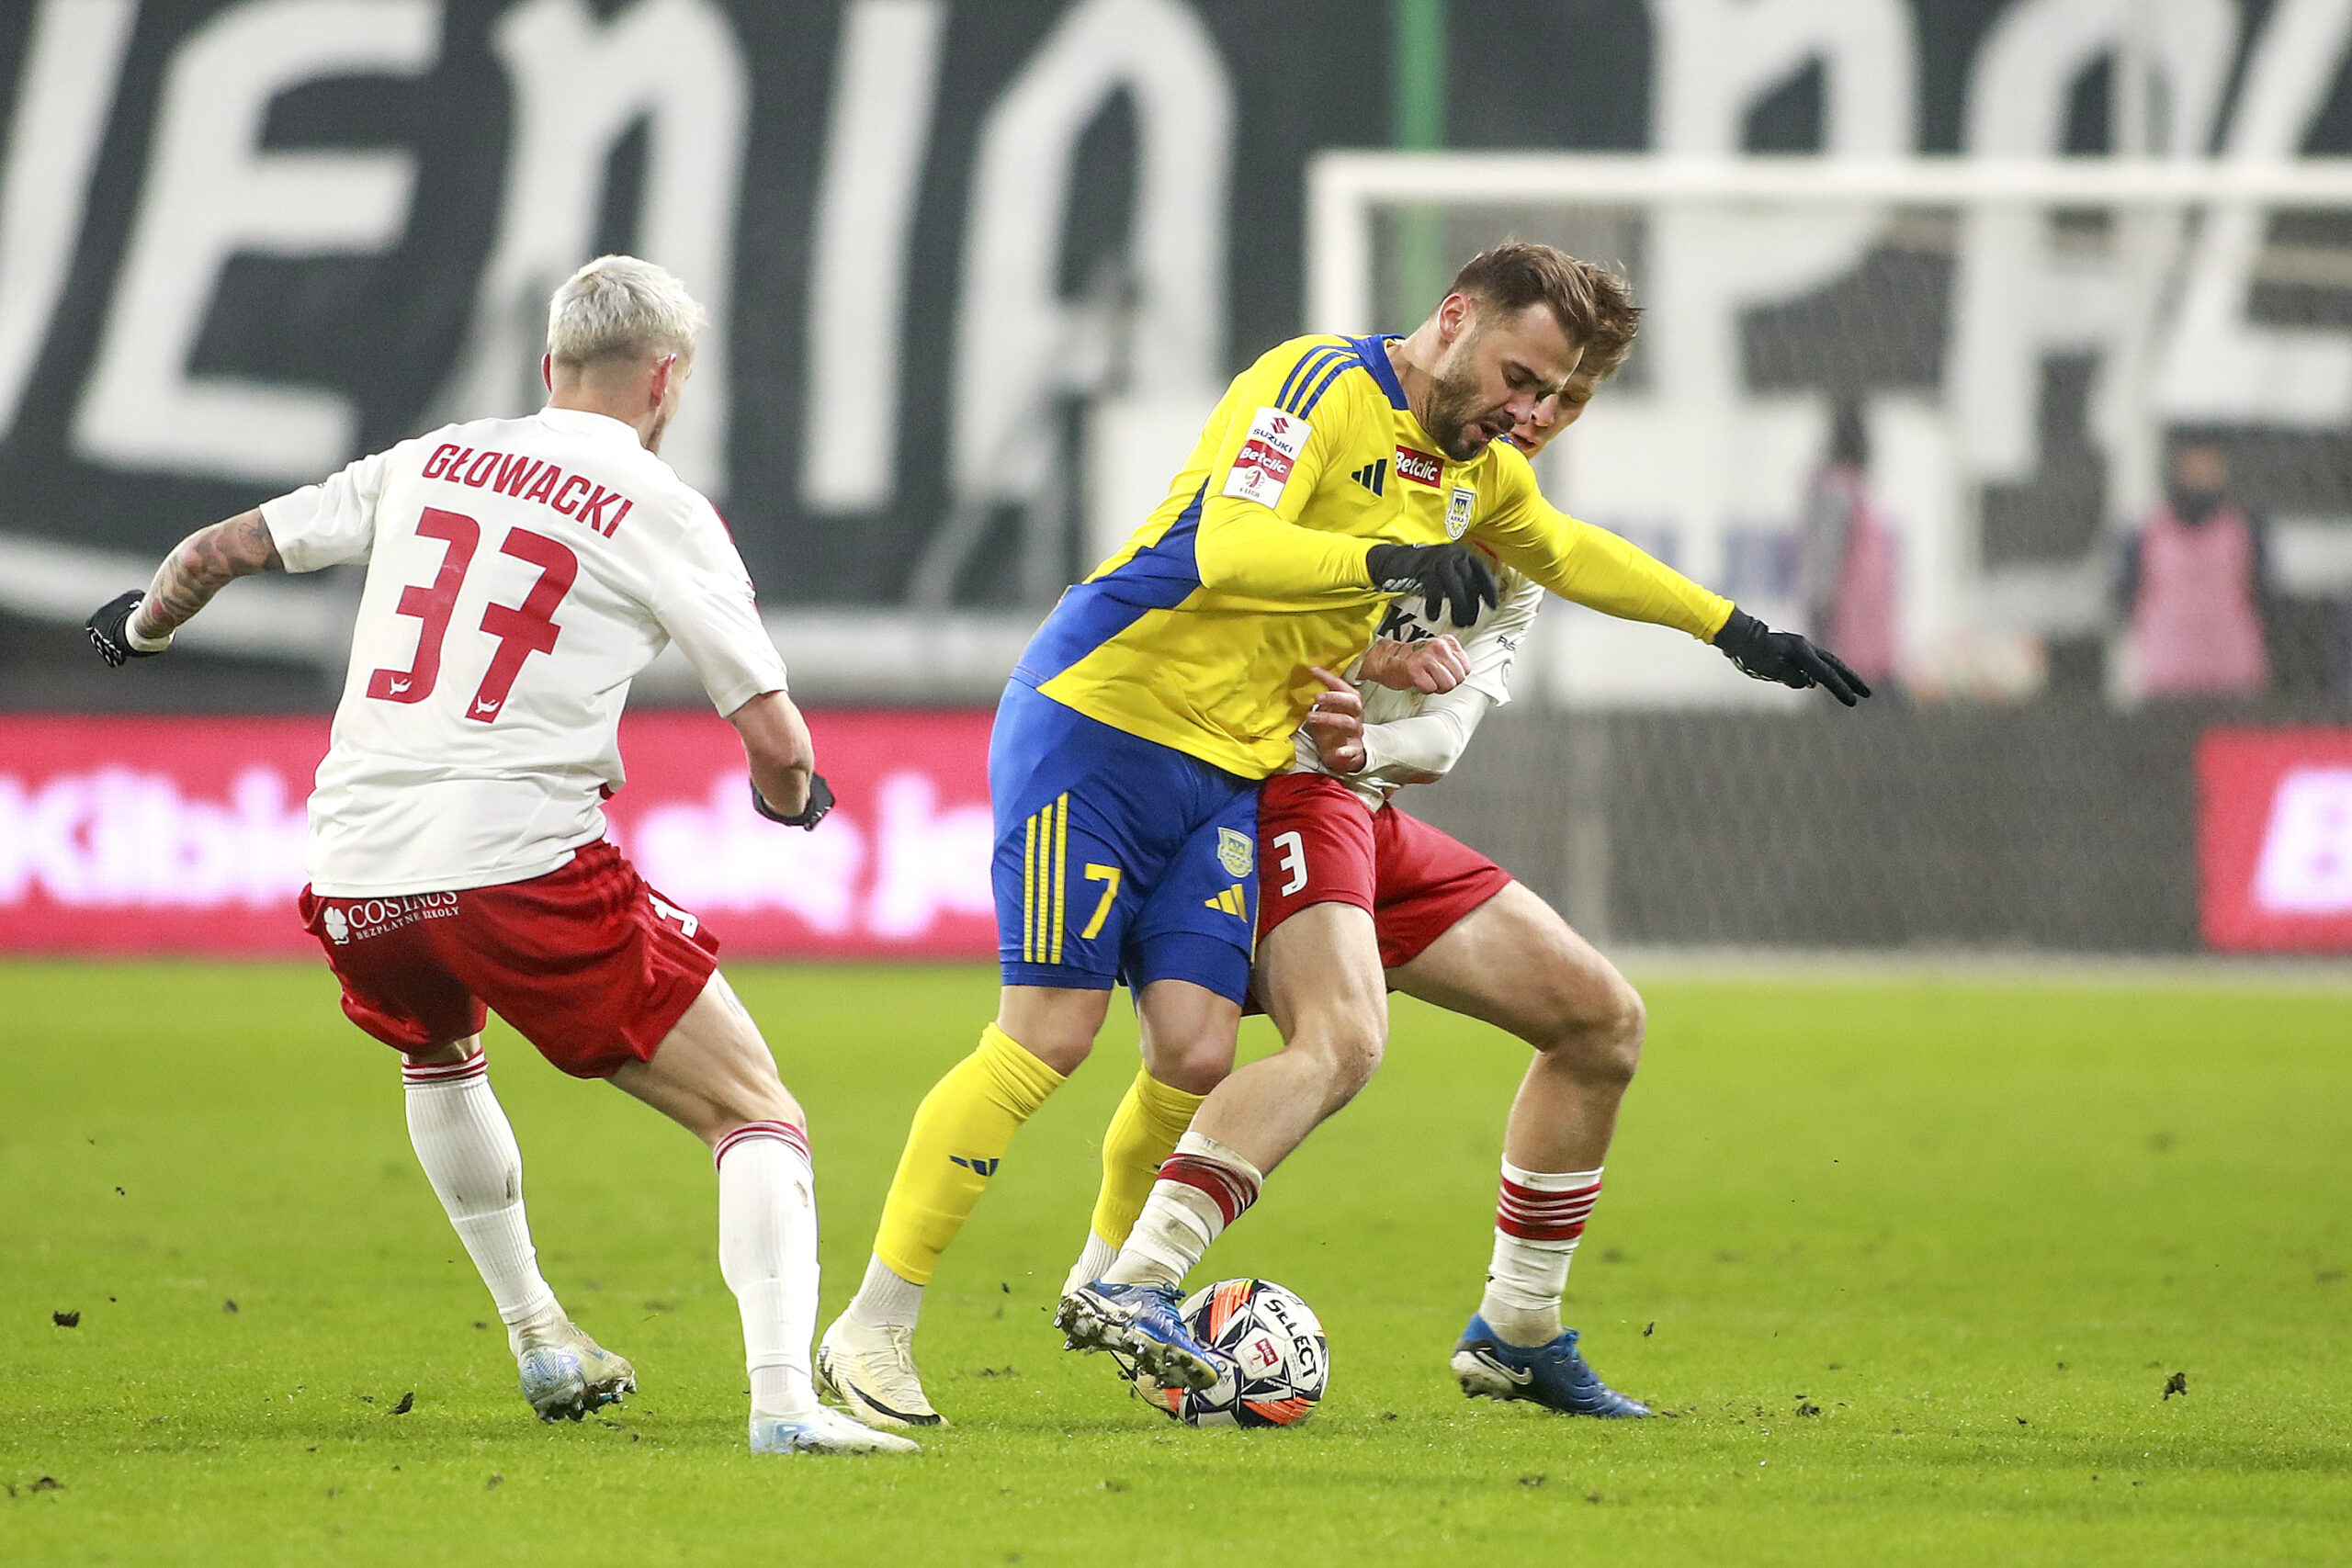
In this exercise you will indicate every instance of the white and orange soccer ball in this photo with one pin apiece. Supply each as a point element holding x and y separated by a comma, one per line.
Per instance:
<point>1284,1360</point>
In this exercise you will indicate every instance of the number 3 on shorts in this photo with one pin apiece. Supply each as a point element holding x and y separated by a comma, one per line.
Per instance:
<point>1109,876</point>
<point>1293,860</point>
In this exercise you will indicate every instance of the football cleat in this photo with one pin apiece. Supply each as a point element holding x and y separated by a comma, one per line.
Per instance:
<point>1554,1376</point>
<point>1143,1325</point>
<point>566,1374</point>
<point>823,1431</point>
<point>872,1372</point>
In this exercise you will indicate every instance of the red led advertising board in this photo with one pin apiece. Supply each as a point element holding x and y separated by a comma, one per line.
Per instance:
<point>185,835</point>
<point>2274,839</point>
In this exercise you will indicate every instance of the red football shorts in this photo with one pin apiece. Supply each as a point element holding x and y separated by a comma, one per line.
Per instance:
<point>1319,844</point>
<point>587,963</point>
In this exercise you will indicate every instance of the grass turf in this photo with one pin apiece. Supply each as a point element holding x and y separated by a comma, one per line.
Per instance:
<point>1913,1262</point>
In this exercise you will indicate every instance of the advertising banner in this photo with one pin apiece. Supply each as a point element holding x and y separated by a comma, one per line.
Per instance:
<point>127,836</point>
<point>2274,839</point>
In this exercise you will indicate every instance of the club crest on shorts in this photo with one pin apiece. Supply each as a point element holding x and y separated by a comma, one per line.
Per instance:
<point>1233,852</point>
<point>1457,511</point>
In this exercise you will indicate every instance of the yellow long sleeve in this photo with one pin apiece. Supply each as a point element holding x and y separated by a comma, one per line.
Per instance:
<point>1592,566</point>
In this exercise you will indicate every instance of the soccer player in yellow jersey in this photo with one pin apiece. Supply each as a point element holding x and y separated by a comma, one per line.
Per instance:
<point>1335,474</point>
<point>1362,898</point>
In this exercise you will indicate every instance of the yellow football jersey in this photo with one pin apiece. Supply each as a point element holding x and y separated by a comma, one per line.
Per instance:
<point>1199,632</point>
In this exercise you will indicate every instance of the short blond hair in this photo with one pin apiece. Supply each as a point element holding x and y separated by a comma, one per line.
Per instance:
<point>620,307</point>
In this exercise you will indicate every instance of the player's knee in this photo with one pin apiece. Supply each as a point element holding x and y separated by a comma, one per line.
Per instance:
<point>1596,1031</point>
<point>1196,1066</point>
<point>1347,1044</point>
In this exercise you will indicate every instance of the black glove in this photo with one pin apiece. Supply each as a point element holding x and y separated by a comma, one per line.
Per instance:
<point>110,630</point>
<point>821,800</point>
<point>1451,580</point>
<point>1763,654</point>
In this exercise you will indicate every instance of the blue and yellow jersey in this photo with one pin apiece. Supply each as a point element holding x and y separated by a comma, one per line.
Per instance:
<point>1198,633</point>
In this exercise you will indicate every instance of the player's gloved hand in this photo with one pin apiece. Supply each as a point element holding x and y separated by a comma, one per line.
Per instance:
<point>1451,579</point>
<point>1336,723</point>
<point>821,800</point>
<point>1433,665</point>
<point>1763,654</point>
<point>109,629</point>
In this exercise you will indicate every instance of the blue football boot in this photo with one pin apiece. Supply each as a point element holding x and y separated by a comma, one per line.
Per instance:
<point>1141,1323</point>
<point>1554,1376</point>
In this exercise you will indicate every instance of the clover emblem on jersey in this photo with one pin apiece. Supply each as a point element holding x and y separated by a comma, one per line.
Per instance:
<point>1233,852</point>
<point>1457,511</point>
<point>1281,1360</point>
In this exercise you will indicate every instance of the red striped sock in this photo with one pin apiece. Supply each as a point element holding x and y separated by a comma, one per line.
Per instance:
<point>782,1131</point>
<point>1231,1188</point>
<point>474,1067</point>
<point>1539,1217</point>
<point>1533,1213</point>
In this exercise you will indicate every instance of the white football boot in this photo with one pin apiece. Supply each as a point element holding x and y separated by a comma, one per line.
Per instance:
<point>872,1372</point>
<point>823,1431</point>
<point>566,1374</point>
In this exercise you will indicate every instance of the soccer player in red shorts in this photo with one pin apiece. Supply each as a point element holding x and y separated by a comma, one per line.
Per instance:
<point>1358,899</point>
<point>520,573</point>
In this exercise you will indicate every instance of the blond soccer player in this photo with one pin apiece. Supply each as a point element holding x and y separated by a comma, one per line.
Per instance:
<point>520,573</point>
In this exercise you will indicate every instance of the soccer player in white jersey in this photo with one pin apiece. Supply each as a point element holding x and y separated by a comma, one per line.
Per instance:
<point>520,573</point>
<point>1358,899</point>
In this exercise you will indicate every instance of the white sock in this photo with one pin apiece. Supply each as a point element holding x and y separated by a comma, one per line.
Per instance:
<point>468,1149</point>
<point>1539,1219</point>
<point>767,1251</point>
<point>885,1299</point>
<point>1203,1188</point>
<point>1094,1260</point>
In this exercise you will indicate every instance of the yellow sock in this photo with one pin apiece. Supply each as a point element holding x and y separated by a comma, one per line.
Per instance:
<point>962,1129</point>
<point>1141,1136</point>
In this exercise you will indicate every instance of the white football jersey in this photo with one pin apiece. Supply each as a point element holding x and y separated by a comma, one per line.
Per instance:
<point>1492,642</point>
<point>520,573</point>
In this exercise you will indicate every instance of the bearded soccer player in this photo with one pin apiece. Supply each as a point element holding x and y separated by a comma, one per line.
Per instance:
<point>520,573</point>
<point>1124,768</point>
<point>1365,898</point>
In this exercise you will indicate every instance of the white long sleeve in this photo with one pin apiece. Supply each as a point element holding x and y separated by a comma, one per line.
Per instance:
<point>1424,747</point>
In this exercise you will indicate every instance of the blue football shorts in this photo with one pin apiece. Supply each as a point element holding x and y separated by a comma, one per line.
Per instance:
<point>1117,859</point>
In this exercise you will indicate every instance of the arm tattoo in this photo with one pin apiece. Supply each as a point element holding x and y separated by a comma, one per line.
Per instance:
<point>205,562</point>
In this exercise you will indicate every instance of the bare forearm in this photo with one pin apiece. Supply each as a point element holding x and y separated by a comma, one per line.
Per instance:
<point>205,562</point>
<point>778,747</point>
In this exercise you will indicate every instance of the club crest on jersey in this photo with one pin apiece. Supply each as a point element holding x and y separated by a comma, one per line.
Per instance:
<point>1233,852</point>
<point>1457,511</point>
<point>1422,468</point>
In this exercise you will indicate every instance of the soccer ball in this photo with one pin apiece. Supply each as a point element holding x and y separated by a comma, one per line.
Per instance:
<point>1274,1338</point>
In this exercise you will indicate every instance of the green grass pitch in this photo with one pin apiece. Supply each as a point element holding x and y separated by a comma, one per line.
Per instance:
<point>1912,1260</point>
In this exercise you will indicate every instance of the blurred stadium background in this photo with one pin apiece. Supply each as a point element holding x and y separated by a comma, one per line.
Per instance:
<point>1947,297</point>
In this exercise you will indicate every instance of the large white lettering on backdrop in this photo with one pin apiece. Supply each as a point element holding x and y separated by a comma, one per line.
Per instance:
<point>1697,459</point>
<point>1019,343</point>
<point>210,193</point>
<point>72,57</point>
<point>883,91</point>
<point>580,83</point>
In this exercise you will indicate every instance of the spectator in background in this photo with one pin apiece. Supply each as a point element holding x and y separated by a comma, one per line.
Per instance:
<point>2193,585</point>
<point>1846,555</point>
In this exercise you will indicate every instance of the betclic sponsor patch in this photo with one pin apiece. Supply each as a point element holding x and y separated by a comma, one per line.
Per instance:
<point>1267,456</point>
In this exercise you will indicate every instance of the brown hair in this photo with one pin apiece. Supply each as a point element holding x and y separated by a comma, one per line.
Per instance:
<point>1514,275</point>
<point>1615,320</point>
